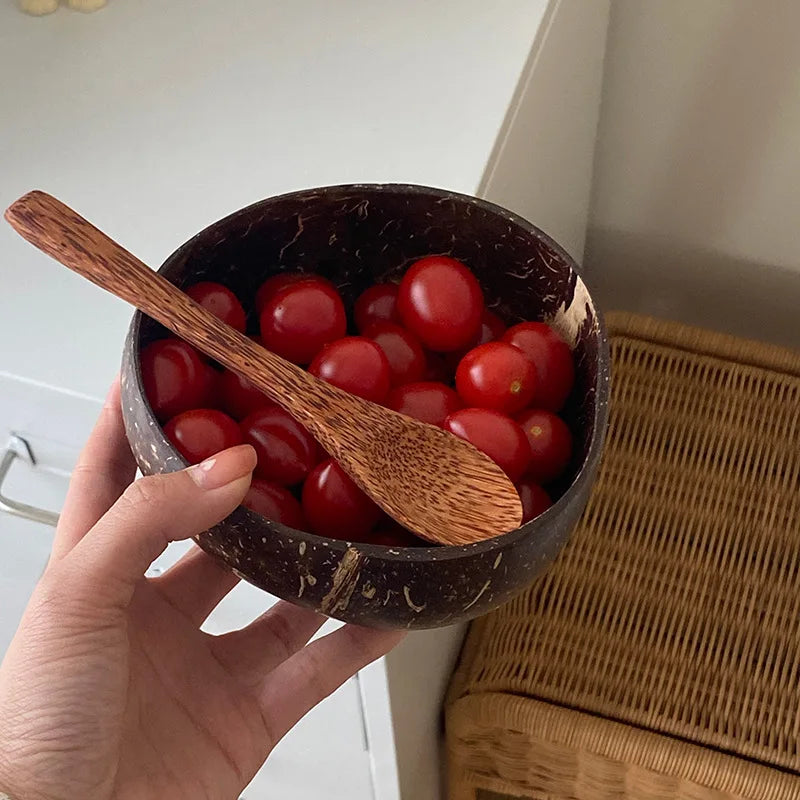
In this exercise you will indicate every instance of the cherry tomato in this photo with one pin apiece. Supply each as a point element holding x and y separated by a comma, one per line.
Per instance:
<point>441,301</point>
<point>286,450</point>
<point>492,328</point>
<point>494,434</point>
<point>376,304</point>
<point>402,350</point>
<point>220,301</point>
<point>437,369</point>
<point>201,433</point>
<point>276,503</point>
<point>355,364</point>
<point>426,401</point>
<point>334,506</point>
<point>301,318</point>
<point>496,375</point>
<point>212,379</point>
<point>238,396</point>
<point>535,500</point>
<point>393,535</point>
<point>271,285</point>
<point>550,441</point>
<point>322,454</point>
<point>552,358</point>
<point>175,378</point>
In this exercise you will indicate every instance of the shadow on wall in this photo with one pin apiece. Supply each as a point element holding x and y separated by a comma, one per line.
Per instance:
<point>660,277</point>
<point>743,77</point>
<point>695,199</point>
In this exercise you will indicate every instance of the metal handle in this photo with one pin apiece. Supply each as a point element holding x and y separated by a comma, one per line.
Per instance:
<point>19,448</point>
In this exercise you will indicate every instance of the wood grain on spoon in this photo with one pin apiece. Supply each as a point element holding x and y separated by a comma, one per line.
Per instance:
<point>435,484</point>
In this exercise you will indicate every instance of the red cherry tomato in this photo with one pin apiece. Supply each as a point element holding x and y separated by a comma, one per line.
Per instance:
<point>355,364</point>
<point>535,500</point>
<point>550,441</point>
<point>437,369</point>
<point>301,318</point>
<point>286,450</point>
<point>238,396</point>
<point>552,358</point>
<point>201,433</point>
<point>494,434</point>
<point>492,328</point>
<point>402,350</point>
<point>212,394</point>
<point>220,301</point>
<point>376,304</point>
<point>334,506</point>
<point>426,401</point>
<point>393,535</point>
<point>175,378</point>
<point>321,454</point>
<point>276,503</point>
<point>441,301</point>
<point>496,375</point>
<point>273,284</point>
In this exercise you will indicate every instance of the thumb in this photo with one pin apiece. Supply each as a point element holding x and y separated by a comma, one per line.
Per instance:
<point>151,513</point>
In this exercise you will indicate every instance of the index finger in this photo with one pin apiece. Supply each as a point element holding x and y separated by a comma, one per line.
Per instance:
<point>105,468</point>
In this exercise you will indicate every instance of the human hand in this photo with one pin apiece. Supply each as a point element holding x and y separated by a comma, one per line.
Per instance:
<point>110,689</point>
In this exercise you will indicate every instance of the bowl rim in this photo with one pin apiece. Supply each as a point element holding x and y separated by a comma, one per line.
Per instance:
<point>433,552</point>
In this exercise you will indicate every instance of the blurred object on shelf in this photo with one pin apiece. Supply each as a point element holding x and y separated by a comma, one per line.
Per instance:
<point>39,8</point>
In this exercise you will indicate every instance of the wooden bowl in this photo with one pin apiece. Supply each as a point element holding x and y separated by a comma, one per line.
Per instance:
<point>355,236</point>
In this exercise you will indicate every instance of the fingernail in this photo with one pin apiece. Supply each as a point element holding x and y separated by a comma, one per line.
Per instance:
<point>224,467</point>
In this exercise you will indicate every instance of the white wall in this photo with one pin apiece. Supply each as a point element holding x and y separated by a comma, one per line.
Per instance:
<point>541,166</point>
<point>155,118</point>
<point>696,198</point>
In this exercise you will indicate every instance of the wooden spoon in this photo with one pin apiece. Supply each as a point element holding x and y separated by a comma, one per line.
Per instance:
<point>435,484</point>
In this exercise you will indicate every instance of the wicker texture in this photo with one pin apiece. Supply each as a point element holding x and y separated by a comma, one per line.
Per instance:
<point>515,745</point>
<point>675,609</point>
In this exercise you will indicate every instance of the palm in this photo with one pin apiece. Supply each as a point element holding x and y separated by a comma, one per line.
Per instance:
<point>159,708</point>
<point>182,709</point>
<point>110,690</point>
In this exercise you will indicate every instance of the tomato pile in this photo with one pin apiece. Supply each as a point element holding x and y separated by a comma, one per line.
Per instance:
<point>426,347</point>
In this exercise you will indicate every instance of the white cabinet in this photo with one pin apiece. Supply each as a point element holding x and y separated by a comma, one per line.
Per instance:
<point>154,119</point>
<point>53,423</point>
<point>27,547</point>
<point>333,734</point>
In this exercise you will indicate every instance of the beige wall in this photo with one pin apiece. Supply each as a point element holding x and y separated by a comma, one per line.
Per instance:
<point>696,201</point>
<point>541,165</point>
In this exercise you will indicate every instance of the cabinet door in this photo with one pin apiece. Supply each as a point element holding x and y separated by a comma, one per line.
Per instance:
<point>26,547</point>
<point>326,755</point>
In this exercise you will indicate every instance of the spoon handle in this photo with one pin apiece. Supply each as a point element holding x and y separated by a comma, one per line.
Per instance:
<point>66,236</point>
<point>436,484</point>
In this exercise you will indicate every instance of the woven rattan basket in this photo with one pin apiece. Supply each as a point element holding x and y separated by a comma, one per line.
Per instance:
<point>660,656</point>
